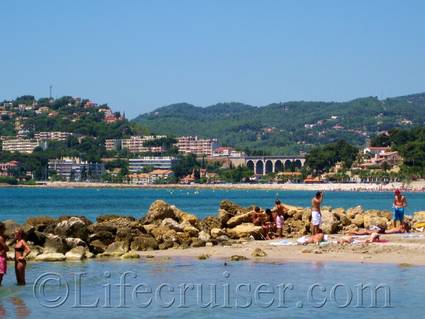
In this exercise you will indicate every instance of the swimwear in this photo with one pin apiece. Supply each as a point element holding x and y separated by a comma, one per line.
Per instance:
<point>399,213</point>
<point>3,265</point>
<point>316,218</point>
<point>279,221</point>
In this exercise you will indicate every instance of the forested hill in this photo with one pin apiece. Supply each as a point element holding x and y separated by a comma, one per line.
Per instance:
<point>289,126</point>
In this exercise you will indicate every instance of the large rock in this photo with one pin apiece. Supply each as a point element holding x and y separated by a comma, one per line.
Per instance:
<point>209,223</point>
<point>112,218</point>
<point>162,233</point>
<point>50,257</point>
<point>245,230</point>
<point>217,232</point>
<point>185,217</point>
<point>116,249</point>
<point>35,251</point>
<point>330,224</point>
<point>104,236</point>
<point>55,244</point>
<point>358,220</point>
<point>103,227</point>
<point>41,222</point>
<point>342,216</point>
<point>239,219</point>
<point>73,227</point>
<point>158,211</point>
<point>97,246</point>
<point>74,242</point>
<point>419,217</point>
<point>375,220</point>
<point>352,212</point>
<point>10,228</point>
<point>171,223</point>
<point>203,235</point>
<point>189,229</point>
<point>144,242</point>
<point>76,253</point>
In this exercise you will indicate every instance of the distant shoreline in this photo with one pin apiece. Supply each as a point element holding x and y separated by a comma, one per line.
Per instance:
<point>418,186</point>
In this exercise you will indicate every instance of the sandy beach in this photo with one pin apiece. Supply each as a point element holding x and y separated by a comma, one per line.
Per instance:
<point>417,186</point>
<point>399,250</point>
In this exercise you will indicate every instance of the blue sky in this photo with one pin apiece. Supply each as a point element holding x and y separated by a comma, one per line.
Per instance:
<point>137,55</point>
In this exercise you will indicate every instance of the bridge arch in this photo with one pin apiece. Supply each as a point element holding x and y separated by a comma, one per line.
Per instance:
<point>278,166</point>
<point>269,167</point>
<point>259,168</point>
<point>251,166</point>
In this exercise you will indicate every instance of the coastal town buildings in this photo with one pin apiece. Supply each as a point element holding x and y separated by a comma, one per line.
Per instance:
<point>195,145</point>
<point>74,169</point>
<point>153,177</point>
<point>7,168</point>
<point>136,165</point>
<point>134,144</point>
<point>52,136</point>
<point>21,145</point>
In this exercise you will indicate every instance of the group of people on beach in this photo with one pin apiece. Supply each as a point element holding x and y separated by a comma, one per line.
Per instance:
<point>272,221</point>
<point>21,252</point>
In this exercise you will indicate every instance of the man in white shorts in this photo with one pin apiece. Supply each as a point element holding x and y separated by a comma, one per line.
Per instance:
<point>316,215</point>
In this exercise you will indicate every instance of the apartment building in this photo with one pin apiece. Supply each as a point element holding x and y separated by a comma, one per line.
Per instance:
<point>134,144</point>
<point>195,145</point>
<point>138,164</point>
<point>21,145</point>
<point>74,169</point>
<point>52,136</point>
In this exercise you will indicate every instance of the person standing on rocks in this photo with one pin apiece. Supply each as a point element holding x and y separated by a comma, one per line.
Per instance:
<point>316,215</point>
<point>399,204</point>
<point>279,210</point>
<point>3,252</point>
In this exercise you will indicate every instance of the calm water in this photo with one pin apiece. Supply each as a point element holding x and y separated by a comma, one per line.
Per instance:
<point>19,203</point>
<point>337,287</point>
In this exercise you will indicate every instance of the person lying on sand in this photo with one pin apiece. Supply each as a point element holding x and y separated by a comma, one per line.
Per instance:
<point>315,239</point>
<point>374,238</point>
<point>401,229</point>
<point>371,230</point>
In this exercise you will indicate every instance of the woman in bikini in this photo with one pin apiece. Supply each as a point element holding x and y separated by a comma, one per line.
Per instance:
<point>21,252</point>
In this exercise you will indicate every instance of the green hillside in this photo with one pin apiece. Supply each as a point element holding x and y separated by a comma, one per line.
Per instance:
<point>289,126</point>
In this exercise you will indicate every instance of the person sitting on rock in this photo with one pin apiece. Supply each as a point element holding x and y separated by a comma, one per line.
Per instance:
<point>257,216</point>
<point>269,226</point>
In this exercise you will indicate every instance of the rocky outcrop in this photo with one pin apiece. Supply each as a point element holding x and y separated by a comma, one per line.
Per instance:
<point>165,226</point>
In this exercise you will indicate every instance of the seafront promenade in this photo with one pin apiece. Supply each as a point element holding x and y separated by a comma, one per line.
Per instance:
<point>417,186</point>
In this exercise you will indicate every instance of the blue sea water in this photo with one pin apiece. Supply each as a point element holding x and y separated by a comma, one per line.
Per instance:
<point>20,203</point>
<point>188,288</point>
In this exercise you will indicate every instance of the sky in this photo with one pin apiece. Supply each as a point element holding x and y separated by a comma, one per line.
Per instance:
<point>137,55</point>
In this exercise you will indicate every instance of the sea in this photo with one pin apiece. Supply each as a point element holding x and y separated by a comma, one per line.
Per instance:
<point>20,203</point>
<point>190,288</point>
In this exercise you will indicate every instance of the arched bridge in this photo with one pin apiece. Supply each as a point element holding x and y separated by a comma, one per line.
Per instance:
<point>263,165</point>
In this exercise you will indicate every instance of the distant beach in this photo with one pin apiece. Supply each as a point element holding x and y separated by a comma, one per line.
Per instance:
<point>417,186</point>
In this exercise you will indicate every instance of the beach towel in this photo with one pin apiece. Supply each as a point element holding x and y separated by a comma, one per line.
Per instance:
<point>283,242</point>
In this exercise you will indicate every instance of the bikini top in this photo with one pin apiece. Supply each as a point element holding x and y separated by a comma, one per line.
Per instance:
<point>20,249</point>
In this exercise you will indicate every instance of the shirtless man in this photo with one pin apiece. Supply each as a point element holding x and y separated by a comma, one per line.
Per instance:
<point>399,204</point>
<point>257,216</point>
<point>316,216</point>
